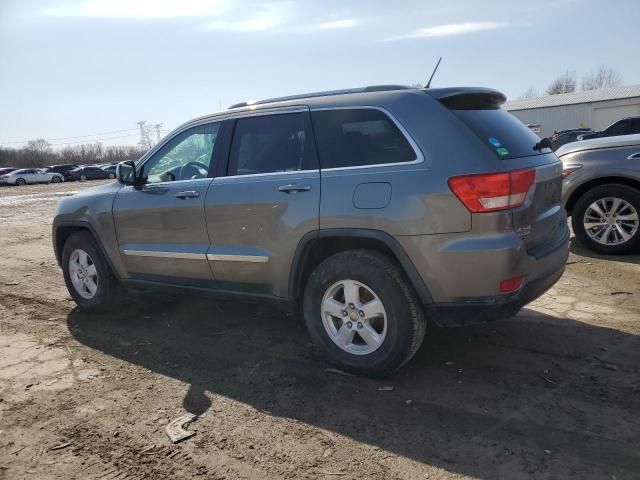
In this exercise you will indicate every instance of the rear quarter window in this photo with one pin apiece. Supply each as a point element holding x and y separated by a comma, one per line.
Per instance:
<point>359,137</point>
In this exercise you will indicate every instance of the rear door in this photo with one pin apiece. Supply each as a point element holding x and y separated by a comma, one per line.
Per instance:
<point>269,198</point>
<point>161,229</point>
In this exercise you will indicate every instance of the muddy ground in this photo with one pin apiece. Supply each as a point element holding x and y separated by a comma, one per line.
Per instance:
<point>553,393</point>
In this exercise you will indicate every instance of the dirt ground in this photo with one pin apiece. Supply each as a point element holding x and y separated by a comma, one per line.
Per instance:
<point>552,393</point>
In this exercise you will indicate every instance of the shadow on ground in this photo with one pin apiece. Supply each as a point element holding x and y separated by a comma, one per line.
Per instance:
<point>578,249</point>
<point>535,394</point>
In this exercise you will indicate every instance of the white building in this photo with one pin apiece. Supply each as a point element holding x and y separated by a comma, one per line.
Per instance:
<point>595,109</point>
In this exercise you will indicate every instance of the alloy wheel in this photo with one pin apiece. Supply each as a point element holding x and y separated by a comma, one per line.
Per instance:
<point>83,274</point>
<point>611,221</point>
<point>354,317</point>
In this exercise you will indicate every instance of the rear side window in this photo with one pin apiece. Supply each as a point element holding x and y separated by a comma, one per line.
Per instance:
<point>270,144</point>
<point>359,137</point>
<point>503,133</point>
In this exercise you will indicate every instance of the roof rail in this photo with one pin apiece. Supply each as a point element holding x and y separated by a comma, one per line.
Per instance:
<point>372,88</point>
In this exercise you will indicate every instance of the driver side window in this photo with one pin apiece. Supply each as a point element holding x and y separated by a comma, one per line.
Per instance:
<point>188,156</point>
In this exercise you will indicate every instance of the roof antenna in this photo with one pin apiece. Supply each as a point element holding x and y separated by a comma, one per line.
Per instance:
<point>433,73</point>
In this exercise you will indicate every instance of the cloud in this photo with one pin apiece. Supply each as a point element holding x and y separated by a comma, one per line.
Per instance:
<point>337,24</point>
<point>266,17</point>
<point>451,29</point>
<point>138,8</point>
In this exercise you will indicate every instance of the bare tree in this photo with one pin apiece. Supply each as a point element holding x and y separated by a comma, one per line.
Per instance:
<point>565,83</point>
<point>530,92</point>
<point>603,77</point>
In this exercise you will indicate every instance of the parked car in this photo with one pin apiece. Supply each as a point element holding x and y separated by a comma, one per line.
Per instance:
<point>400,205</point>
<point>64,170</point>
<point>110,169</point>
<point>567,136</point>
<point>5,170</point>
<point>90,173</point>
<point>625,126</point>
<point>601,192</point>
<point>30,175</point>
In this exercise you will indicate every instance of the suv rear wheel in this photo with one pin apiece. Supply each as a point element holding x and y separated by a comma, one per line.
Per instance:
<point>89,278</point>
<point>360,307</point>
<point>606,219</point>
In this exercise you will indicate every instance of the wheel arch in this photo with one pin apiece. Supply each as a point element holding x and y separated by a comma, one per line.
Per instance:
<point>598,182</point>
<point>318,245</point>
<point>63,231</point>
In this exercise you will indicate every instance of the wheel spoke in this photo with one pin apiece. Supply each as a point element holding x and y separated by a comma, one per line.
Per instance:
<point>91,270</point>
<point>344,337</point>
<point>82,258</point>
<point>632,217</point>
<point>596,208</point>
<point>334,307</point>
<point>615,205</point>
<point>589,225</point>
<point>369,335</point>
<point>91,285</point>
<point>625,236</point>
<point>372,309</point>
<point>351,292</point>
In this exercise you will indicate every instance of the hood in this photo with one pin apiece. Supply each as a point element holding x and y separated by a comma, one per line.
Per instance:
<point>597,143</point>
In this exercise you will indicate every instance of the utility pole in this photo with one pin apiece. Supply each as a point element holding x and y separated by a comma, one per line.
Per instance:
<point>158,126</point>
<point>144,138</point>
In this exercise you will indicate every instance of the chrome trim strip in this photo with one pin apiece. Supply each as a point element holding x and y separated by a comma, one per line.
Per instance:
<point>416,149</point>
<point>159,254</point>
<point>634,156</point>
<point>252,175</point>
<point>213,257</point>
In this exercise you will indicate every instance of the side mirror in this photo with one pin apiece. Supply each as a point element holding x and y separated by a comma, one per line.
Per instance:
<point>127,175</point>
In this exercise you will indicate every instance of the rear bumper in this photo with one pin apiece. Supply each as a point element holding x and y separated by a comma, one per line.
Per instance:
<point>463,272</point>
<point>493,308</point>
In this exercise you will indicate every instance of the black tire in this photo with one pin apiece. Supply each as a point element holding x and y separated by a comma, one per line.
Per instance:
<point>406,322</point>
<point>624,192</point>
<point>111,176</point>
<point>83,178</point>
<point>20,181</point>
<point>110,292</point>
<point>55,179</point>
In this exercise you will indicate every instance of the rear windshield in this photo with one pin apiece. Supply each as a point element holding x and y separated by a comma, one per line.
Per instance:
<point>501,132</point>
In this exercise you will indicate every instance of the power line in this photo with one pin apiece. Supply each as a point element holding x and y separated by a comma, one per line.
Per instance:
<point>77,136</point>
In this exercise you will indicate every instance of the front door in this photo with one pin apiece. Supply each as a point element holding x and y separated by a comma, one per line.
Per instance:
<point>270,198</point>
<point>161,228</point>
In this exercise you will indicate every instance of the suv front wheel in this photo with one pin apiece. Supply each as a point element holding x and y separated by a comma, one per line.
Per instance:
<point>88,276</point>
<point>360,307</point>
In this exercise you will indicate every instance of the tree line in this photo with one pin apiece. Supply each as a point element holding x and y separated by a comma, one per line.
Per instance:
<point>567,82</point>
<point>39,153</point>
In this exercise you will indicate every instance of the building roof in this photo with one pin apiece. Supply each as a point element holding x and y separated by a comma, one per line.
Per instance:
<point>589,96</point>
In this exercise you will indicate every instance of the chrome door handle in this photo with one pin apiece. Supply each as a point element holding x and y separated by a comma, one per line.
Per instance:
<point>188,194</point>
<point>294,188</point>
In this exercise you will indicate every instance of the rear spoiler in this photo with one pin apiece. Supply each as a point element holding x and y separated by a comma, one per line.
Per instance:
<point>468,98</point>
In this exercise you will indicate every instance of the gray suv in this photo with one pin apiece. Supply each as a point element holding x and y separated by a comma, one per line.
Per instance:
<point>368,210</point>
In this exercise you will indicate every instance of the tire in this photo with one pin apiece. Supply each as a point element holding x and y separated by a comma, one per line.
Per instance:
<point>375,274</point>
<point>83,178</point>
<point>55,179</point>
<point>20,181</point>
<point>111,176</point>
<point>605,194</point>
<point>108,294</point>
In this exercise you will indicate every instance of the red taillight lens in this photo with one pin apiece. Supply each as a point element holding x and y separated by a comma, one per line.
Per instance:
<point>511,285</point>
<point>491,192</point>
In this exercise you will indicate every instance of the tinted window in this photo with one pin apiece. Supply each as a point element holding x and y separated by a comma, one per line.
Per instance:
<point>359,137</point>
<point>618,128</point>
<point>268,144</point>
<point>500,131</point>
<point>635,125</point>
<point>187,156</point>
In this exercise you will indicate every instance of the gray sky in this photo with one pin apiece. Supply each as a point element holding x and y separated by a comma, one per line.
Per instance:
<point>81,67</point>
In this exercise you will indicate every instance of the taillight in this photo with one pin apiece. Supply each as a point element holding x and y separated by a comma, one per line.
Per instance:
<point>491,192</point>
<point>511,285</point>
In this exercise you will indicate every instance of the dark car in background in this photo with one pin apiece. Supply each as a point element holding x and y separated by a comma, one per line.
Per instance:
<point>567,136</point>
<point>6,170</point>
<point>63,170</point>
<point>90,173</point>
<point>110,168</point>
<point>625,126</point>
